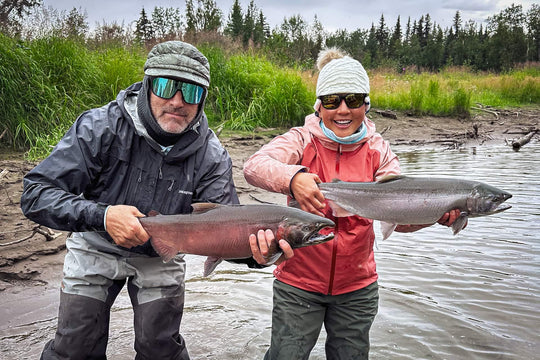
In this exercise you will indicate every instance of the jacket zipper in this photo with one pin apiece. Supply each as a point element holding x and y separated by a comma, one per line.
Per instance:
<point>336,239</point>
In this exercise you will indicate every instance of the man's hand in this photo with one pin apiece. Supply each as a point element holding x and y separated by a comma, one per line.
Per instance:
<point>124,227</point>
<point>306,192</point>
<point>263,242</point>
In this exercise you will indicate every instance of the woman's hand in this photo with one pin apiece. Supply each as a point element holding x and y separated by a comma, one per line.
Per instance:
<point>306,192</point>
<point>447,220</point>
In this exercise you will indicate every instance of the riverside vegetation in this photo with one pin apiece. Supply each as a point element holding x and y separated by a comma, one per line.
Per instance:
<point>46,83</point>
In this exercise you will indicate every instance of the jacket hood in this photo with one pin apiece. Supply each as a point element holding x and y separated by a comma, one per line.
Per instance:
<point>191,140</point>
<point>312,124</point>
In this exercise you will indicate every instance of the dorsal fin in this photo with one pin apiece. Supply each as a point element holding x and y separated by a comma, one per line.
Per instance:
<point>336,180</point>
<point>199,208</point>
<point>389,178</point>
<point>153,213</point>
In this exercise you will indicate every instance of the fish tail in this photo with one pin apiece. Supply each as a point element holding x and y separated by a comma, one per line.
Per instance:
<point>165,251</point>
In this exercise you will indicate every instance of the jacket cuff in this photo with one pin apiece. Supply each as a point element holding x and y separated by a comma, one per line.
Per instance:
<point>290,182</point>
<point>97,223</point>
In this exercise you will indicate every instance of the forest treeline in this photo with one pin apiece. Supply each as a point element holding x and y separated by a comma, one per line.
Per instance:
<point>507,38</point>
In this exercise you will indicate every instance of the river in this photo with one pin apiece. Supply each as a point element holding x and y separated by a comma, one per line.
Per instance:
<point>470,296</point>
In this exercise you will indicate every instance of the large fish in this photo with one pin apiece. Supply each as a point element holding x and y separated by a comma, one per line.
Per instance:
<point>222,231</point>
<point>414,200</point>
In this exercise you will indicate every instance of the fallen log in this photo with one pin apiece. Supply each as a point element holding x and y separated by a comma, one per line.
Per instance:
<point>486,110</point>
<point>517,144</point>
<point>385,129</point>
<point>48,233</point>
<point>386,113</point>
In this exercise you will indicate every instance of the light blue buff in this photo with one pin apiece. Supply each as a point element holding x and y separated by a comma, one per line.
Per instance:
<point>351,139</point>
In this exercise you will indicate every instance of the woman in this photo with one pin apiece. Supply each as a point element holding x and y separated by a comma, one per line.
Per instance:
<point>334,283</point>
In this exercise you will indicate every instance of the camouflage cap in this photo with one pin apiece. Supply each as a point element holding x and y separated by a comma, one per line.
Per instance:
<point>180,60</point>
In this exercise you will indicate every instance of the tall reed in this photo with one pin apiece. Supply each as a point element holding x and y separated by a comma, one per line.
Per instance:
<point>248,91</point>
<point>454,91</point>
<point>46,83</point>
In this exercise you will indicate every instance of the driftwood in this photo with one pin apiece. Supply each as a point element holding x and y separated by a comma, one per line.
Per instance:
<point>385,129</point>
<point>474,134</point>
<point>481,108</point>
<point>2,174</point>
<point>518,143</point>
<point>260,200</point>
<point>49,235</point>
<point>451,143</point>
<point>388,114</point>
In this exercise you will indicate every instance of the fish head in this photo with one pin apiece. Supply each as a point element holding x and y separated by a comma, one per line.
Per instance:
<point>304,229</point>
<point>486,200</point>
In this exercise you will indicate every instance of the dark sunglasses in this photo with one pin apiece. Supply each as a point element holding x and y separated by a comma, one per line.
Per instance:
<point>332,102</point>
<point>167,88</point>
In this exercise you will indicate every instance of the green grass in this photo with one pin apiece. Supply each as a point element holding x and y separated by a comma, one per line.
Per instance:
<point>46,84</point>
<point>248,91</point>
<point>454,92</point>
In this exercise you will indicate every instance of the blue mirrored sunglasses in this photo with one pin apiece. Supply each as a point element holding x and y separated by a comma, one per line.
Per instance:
<point>167,88</point>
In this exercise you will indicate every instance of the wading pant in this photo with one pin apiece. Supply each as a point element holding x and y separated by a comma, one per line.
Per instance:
<point>298,316</point>
<point>93,279</point>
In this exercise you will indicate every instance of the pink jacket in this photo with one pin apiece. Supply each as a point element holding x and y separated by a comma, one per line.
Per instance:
<point>347,262</point>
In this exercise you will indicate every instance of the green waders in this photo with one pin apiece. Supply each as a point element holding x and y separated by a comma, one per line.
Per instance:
<point>298,316</point>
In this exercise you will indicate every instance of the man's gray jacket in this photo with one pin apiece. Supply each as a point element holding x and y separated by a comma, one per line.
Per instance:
<point>107,158</point>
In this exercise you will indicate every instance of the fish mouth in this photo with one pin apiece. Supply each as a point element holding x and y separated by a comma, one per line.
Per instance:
<point>315,237</point>
<point>499,208</point>
<point>319,238</point>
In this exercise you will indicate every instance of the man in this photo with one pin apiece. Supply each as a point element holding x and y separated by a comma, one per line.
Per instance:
<point>150,149</point>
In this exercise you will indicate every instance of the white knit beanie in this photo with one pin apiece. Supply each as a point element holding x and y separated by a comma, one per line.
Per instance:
<point>340,74</point>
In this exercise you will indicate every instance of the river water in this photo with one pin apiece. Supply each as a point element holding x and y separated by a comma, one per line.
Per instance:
<point>475,295</point>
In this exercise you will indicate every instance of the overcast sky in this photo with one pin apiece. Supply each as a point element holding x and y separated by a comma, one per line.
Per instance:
<point>336,14</point>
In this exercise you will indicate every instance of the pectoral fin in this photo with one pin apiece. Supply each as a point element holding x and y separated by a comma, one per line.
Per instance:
<point>460,223</point>
<point>387,229</point>
<point>273,258</point>
<point>165,251</point>
<point>337,210</point>
<point>210,264</point>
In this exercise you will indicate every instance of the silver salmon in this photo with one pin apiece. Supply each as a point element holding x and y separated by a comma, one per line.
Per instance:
<point>414,200</point>
<point>222,231</point>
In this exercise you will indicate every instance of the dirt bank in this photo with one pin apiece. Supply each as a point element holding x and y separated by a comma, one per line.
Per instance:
<point>32,255</point>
